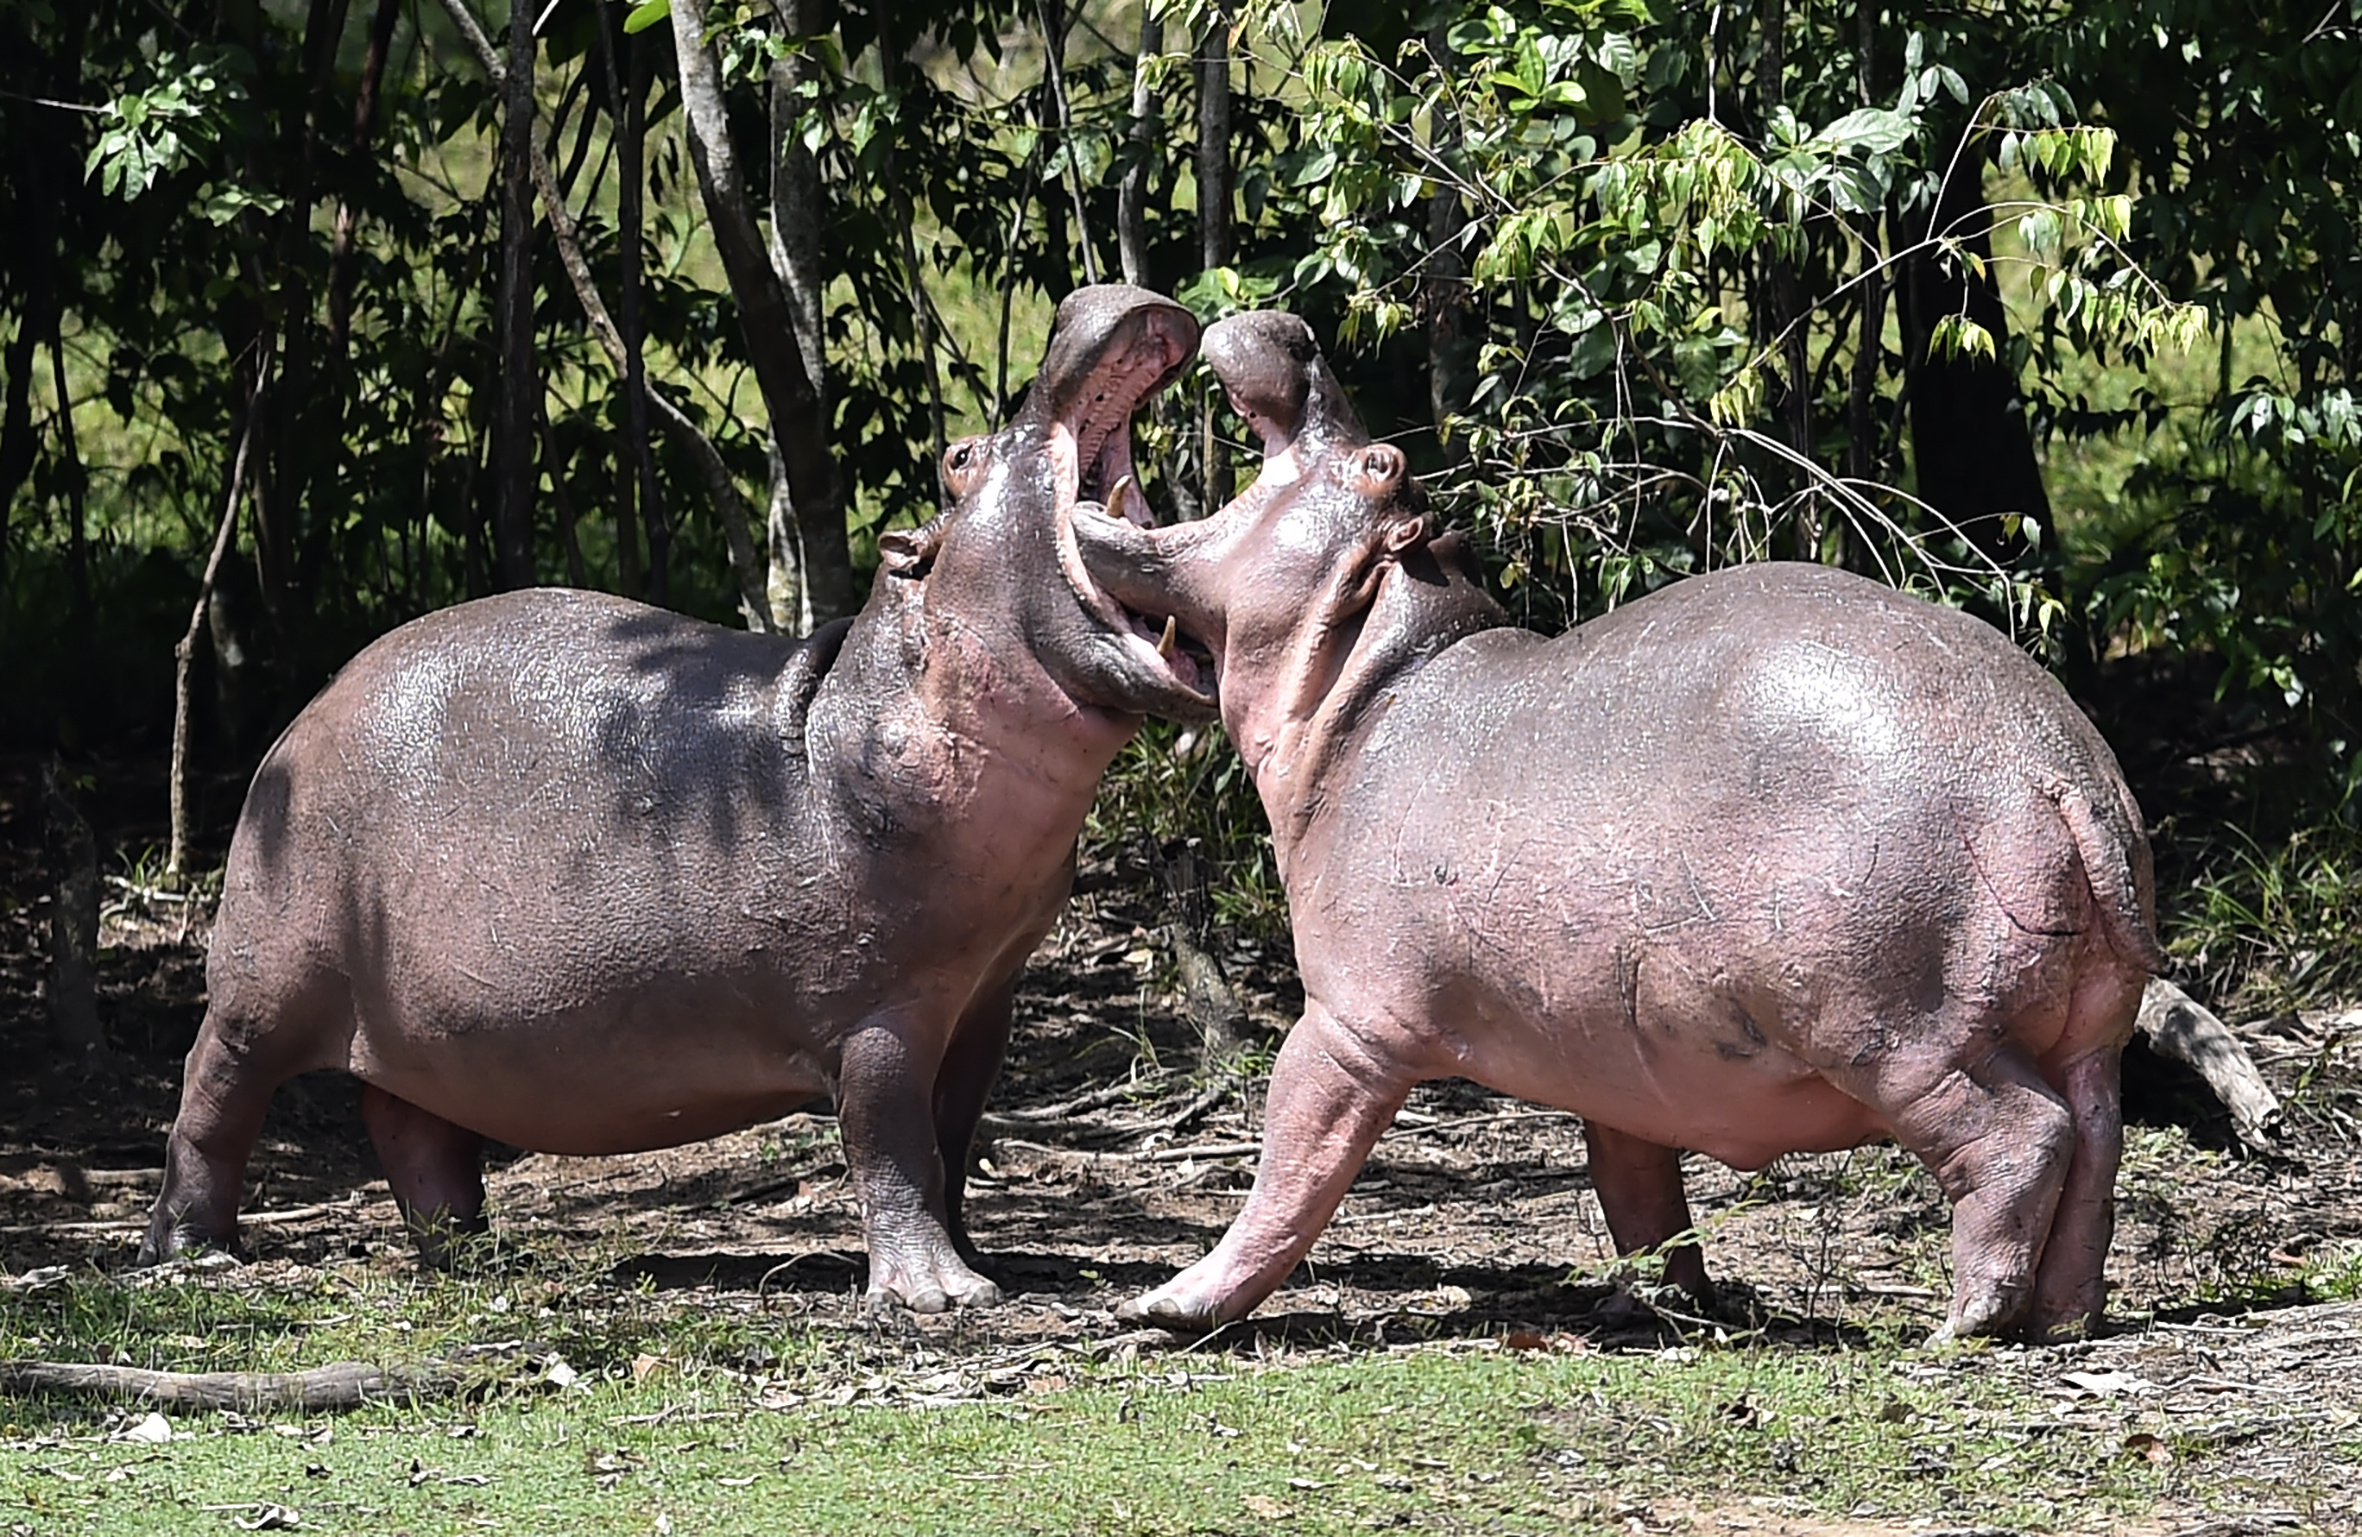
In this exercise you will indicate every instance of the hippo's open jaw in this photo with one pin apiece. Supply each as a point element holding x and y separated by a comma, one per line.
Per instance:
<point>1091,462</point>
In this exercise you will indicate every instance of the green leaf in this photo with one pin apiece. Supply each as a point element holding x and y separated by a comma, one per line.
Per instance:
<point>1870,128</point>
<point>647,14</point>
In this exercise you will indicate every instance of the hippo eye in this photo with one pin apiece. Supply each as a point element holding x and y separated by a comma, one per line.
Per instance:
<point>962,463</point>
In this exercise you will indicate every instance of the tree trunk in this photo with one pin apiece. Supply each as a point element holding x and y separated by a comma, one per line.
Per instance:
<point>184,654</point>
<point>76,481</point>
<point>1786,316</point>
<point>39,141</point>
<point>342,246</point>
<point>797,421</point>
<point>73,924</point>
<point>922,307</point>
<point>1970,441</point>
<point>1131,198</point>
<point>520,382</point>
<point>297,544</point>
<point>1213,207</point>
<point>1207,997</point>
<point>637,497</point>
<point>1450,370</point>
<point>796,221</point>
<point>16,422</point>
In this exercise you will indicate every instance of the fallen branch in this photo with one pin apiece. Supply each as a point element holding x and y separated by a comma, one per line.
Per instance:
<point>2185,1031</point>
<point>1105,1095</point>
<point>1202,1150</point>
<point>140,1224</point>
<point>1205,1100</point>
<point>345,1385</point>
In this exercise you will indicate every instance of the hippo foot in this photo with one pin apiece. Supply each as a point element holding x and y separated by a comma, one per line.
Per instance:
<point>939,1294</point>
<point>1174,1310</point>
<point>457,1248</point>
<point>1990,1313</point>
<point>193,1246</point>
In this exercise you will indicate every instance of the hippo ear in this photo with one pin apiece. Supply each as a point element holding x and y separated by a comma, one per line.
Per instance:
<point>1404,534</point>
<point>909,552</point>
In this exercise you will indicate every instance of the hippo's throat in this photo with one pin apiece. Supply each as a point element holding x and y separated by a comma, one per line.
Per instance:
<point>1300,718</point>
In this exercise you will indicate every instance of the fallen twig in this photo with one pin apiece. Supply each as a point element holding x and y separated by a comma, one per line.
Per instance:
<point>1201,1150</point>
<point>130,1225</point>
<point>2185,1031</point>
<point>1205,1100</point>
<point>1426,1124</point>
<point>1036,1115</point>
<point>345,1385</point>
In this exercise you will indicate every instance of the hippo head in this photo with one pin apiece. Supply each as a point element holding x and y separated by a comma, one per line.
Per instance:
<point>1001,565</point>
<point>1276,585</point>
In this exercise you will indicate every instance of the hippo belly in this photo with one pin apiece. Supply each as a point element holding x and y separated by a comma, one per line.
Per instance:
<point>599,1085</point>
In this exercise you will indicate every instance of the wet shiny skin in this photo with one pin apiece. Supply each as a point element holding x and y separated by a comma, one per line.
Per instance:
<point>586,876</point>
<point>1775,859</point>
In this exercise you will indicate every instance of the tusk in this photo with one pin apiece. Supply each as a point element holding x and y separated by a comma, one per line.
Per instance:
<point>1164,647</point>
<point>1115,498</point>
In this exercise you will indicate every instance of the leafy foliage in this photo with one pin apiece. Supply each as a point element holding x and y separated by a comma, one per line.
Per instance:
<point>1644,288</point>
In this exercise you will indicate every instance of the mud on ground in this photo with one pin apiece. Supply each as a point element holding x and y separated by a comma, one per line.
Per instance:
<point>1110,1162</point>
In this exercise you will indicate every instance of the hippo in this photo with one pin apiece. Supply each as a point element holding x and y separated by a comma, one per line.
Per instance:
<point>1775,859</point>
<point>585,876</point>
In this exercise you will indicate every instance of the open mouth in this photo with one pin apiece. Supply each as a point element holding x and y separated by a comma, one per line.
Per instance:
<point>1091,459</point>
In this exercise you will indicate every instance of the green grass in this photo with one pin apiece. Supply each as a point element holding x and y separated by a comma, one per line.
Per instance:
<point>1492,1441</point>
<point>713,1417</point>
<point>2269,925</point>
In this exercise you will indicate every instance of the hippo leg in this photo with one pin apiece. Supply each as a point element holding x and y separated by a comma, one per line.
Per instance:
<point>884,1090</point>
<point>971,1064</point>
<point>1638,1183</point>
<point>224,1092</point>
<point>436,1170</point>
<point>1998,1140</point>
<point>2070,1288</point>
<point>1332,1094</point>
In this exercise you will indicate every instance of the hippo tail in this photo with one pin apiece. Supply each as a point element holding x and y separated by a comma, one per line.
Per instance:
<point>2115,855</point>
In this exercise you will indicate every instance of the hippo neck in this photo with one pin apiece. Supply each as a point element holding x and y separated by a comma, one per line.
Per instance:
<point>1297,731</point>
<point>939,735</point>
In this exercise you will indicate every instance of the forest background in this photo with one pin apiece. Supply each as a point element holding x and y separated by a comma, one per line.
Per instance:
<point>316,317</point>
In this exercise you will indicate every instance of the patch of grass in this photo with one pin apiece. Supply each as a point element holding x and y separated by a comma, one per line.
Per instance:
<point>717,1418</point>
<point>2268,926</point>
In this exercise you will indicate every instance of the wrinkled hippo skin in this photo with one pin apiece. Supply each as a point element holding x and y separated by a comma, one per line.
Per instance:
<point>588,877</point>
<point>1776,859</point>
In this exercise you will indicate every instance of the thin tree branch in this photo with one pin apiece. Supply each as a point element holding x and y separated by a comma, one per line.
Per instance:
<point>184,654</point>
<point>1054,55</point>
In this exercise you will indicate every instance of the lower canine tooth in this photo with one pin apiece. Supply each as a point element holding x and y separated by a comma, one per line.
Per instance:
<point>1164,646</point>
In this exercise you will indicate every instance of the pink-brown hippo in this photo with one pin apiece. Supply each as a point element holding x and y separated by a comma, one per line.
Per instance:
<point>590,877</point>
<point>1776,859</point>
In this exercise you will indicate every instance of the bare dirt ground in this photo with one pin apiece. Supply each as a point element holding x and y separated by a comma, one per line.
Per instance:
<point>1111,1163</point>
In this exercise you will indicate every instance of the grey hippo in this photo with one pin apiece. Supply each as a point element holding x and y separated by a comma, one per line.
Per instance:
<point>586,876</point>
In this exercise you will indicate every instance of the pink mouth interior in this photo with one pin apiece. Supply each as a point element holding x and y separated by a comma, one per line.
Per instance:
<point>1097,436</point>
